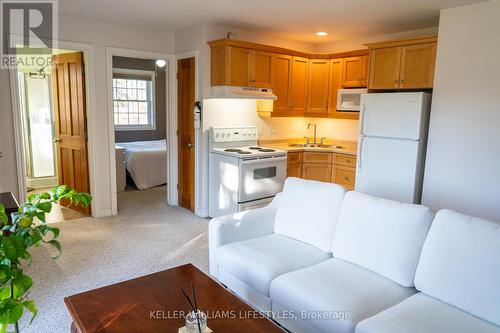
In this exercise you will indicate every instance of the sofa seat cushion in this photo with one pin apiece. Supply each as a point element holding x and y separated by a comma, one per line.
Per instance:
<point>382,235</point>
<point>422,313</point>
<point>258,261</point>
<point>460,264</point>
<point>336,289</point>
<point>308,211</point>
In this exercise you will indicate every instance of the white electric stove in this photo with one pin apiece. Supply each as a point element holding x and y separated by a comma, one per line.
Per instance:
<point>242,175</point>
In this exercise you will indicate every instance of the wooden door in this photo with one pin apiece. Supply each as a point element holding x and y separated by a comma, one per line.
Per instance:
<point>417,66</point>
<point>353,68</point>
<point>281,83</point>
<point>317,171</point>
<point>68,89</point>
<point>385,68</point>
<point>185,99</point>
<point>262,69</point>
<point>319,73</point>
<point>238,66</point>
<point>299,86</point>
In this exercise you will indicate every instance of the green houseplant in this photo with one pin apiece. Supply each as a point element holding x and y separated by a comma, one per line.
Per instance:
<point>27,228</point>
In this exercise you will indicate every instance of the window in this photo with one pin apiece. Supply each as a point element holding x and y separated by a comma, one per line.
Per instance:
<point>133,98</point>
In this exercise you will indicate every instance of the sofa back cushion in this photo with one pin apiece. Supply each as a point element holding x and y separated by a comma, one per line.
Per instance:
<point>381,235</point>
<point>308,211</point>
<point>460,264</point>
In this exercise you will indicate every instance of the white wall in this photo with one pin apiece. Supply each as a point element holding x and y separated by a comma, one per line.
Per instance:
<point>100,34</point>
<point>463,162</point>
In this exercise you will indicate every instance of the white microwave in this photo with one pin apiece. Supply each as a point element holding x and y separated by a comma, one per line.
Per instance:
<point>348,100</point>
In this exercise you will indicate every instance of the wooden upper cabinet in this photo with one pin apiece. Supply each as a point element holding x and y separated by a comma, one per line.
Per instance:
<point>353,72</point>
<point>365,66</point>
<point>262,69</point>
<point>240,66</point>
<point>238,73</point>
<point>384,68</point>
<point>417,66</point>
<point>299,86</point>
<point>335,83</point>
<point>281,83</point>
<point>404,64</point>
<point>319,72</point>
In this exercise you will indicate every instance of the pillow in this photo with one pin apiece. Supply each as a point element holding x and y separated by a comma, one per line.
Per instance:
<point>381,235</point>
<point>308,211</point>
<point>460,264</point>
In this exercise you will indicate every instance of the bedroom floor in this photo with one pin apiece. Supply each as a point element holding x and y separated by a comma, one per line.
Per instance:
<point>146,236</point>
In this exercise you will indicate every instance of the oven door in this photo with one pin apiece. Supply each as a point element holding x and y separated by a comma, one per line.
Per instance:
<point>261,178</point>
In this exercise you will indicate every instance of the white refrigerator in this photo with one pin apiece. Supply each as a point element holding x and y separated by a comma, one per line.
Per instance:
<point>392,139</point>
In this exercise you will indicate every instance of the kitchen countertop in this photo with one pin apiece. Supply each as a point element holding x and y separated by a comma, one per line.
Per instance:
<point>350,148</point>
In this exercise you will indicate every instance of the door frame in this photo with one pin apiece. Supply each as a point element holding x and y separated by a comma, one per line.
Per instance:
<point>88,58</point>
<point>171,117</point>
<point>198,132</point>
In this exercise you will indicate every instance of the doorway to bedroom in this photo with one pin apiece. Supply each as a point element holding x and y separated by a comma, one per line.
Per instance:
<point>140,121</point>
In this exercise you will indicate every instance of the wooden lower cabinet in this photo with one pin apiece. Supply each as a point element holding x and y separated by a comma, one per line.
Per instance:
<point>294,165</point>
<point>317,171</point>
<point>294,170</point>
<point>344,176</point>
<point>323,167</point>
<point>344,170</point>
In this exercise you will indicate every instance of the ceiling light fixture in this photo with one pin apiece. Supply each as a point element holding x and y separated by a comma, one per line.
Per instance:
<point>321,34</point>
<point>161,63</point>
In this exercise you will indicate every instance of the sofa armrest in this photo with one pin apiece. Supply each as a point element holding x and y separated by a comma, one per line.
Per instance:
<point>238,227</point>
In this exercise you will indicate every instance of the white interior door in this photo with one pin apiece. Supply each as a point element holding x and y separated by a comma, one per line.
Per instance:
<point>387,168</point>
<point>394,115</point>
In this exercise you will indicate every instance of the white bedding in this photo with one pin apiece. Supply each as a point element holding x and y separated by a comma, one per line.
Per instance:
<point>146,162</point>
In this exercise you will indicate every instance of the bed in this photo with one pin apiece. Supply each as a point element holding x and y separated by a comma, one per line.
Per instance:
<point>146,162</point>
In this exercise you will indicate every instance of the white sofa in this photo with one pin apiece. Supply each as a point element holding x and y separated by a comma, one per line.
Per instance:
<point>324,260</point>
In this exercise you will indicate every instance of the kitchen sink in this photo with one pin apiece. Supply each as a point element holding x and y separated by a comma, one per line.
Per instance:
<point>314,145</point>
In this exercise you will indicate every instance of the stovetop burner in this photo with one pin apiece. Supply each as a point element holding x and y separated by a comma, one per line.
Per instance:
<point>233,150</point>
<point>266,150</point>
<point>255,148</point>
<point>244,152</point>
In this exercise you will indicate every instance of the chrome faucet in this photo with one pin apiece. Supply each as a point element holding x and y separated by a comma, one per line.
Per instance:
<point>309,126</point>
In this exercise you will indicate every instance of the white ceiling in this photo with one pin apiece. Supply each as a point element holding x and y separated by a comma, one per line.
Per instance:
<point>292,19</point>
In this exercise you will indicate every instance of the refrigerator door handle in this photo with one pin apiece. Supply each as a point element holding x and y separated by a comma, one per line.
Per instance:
<point>360,152</point>
<point>362,114</point>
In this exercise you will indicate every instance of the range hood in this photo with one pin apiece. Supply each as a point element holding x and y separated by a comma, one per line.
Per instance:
<point>243,92</point>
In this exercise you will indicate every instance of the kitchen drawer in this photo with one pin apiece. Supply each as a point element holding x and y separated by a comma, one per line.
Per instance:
<point>346,160</point>
<point>317,171</point>
<point>345,176</point>
<point>295,157</point>
<point>314,157</point>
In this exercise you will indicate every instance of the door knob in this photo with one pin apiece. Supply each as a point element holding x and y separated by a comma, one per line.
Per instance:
<point>189,145</point>
<point>57,140</point>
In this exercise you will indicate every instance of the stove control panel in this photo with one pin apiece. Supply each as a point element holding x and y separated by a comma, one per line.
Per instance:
<point>233,134</point>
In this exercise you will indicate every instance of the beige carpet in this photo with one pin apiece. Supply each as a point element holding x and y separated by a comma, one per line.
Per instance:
<point>146,236</point>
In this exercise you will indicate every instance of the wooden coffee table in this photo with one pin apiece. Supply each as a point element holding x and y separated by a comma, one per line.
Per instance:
<point>155,304</point>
